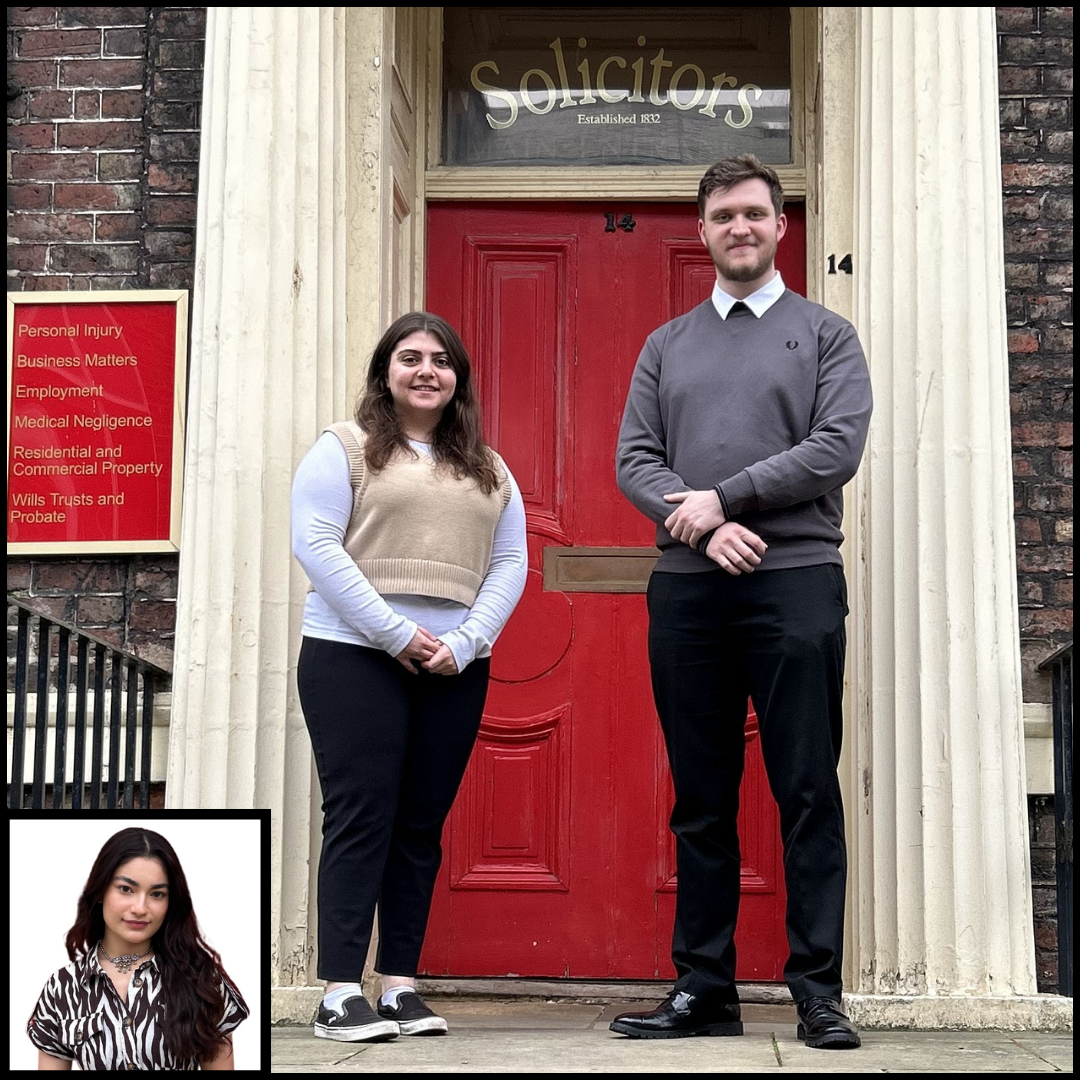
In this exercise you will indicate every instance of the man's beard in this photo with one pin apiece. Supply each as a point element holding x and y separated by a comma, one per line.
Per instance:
<point>745,271</point>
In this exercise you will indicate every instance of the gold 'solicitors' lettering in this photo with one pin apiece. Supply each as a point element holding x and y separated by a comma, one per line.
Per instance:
<point>538,91</point>
<point>494,91</point>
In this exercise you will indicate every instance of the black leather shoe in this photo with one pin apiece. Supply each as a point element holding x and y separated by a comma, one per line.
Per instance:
<point>823,1026</point>
<point>680,1015</point>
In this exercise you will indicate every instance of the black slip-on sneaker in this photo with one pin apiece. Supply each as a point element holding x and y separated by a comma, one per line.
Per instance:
<point>353,1021</point>
<point>412,1016</point>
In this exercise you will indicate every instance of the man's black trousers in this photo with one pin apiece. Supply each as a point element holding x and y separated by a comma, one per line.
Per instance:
<point>391,749</point>
<point>776,636</point>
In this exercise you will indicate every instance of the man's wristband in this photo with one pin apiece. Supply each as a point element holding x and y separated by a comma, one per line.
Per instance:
<point>703,543</point>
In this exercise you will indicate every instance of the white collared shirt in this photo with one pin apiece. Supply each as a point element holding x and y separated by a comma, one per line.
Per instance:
<point>758,302</point>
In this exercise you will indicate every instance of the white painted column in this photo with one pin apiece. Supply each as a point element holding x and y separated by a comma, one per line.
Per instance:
<point>267,374</point>
<point>941,898</point>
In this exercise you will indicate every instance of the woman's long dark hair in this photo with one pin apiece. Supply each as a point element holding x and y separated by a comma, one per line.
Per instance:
<point>457,440</point>
<point>190,970</point>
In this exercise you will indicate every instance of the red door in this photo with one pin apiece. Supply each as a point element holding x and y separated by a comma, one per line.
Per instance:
<point>558,859</point>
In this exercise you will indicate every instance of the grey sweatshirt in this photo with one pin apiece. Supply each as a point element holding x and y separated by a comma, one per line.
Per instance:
<point>775,410</point>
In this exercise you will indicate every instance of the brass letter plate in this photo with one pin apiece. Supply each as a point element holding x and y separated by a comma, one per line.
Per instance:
<point>598,569</point>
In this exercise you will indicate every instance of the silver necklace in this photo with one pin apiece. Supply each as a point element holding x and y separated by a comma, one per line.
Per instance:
<point>123,963</point>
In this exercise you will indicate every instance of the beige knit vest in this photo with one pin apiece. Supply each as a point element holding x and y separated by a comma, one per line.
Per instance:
<point>416,528</point>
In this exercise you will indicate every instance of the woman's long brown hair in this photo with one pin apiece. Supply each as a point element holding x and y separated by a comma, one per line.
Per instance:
<point>191,970</point>
<point>457,441</point>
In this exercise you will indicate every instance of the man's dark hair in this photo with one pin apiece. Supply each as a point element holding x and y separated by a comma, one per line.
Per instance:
<point>732,170</point>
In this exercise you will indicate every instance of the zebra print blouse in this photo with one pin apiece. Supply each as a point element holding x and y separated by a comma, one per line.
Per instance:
<point>80,1016</point>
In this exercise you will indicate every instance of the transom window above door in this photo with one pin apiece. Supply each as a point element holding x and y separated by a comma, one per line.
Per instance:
<point>615,86</point>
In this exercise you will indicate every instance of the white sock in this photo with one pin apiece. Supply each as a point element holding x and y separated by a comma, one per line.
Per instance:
<point>335,999</point>
<point>391,995</point>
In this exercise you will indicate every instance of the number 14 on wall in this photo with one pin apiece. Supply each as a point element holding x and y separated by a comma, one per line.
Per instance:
<point>844,265</point>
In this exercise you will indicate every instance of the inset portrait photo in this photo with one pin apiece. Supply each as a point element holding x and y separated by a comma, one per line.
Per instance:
<point>135,939</point>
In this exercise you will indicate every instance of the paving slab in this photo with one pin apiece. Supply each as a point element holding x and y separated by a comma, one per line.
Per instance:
<point>472,1050</point>
<point>919,1051</point>
<point>1055,1049</point>
<point>542,1037</point>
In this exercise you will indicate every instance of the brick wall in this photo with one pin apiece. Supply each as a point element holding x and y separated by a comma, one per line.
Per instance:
<point>1035,65</point>
<point>103,140</point>
<point>1044,890</point>
<point>1035,56</point>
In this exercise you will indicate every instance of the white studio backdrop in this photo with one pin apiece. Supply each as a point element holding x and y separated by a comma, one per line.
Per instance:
<point>51,857</point>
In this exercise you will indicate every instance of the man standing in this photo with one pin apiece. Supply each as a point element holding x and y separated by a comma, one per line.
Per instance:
<point>745,418</point>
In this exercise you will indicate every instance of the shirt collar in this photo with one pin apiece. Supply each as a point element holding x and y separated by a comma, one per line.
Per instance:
<point>758,302</point>
<point>90,965</point>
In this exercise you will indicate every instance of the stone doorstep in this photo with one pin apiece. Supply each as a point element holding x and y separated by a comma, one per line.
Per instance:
<point>1040,1012</point>
<point>925,1012</point>
<point>584,992</point>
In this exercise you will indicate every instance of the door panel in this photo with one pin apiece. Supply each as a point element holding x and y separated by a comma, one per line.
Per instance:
<point>558,858</point>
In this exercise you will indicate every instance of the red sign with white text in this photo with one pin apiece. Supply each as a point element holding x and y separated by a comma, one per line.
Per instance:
<point>93,422</point>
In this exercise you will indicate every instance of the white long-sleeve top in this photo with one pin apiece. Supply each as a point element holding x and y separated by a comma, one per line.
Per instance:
<point>345,605</point>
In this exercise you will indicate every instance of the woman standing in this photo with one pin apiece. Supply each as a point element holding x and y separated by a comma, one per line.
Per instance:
<point>412,533</point>
<point>143,991</point>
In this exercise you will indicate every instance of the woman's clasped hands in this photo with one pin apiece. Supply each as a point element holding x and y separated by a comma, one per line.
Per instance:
<point>429,652</point>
